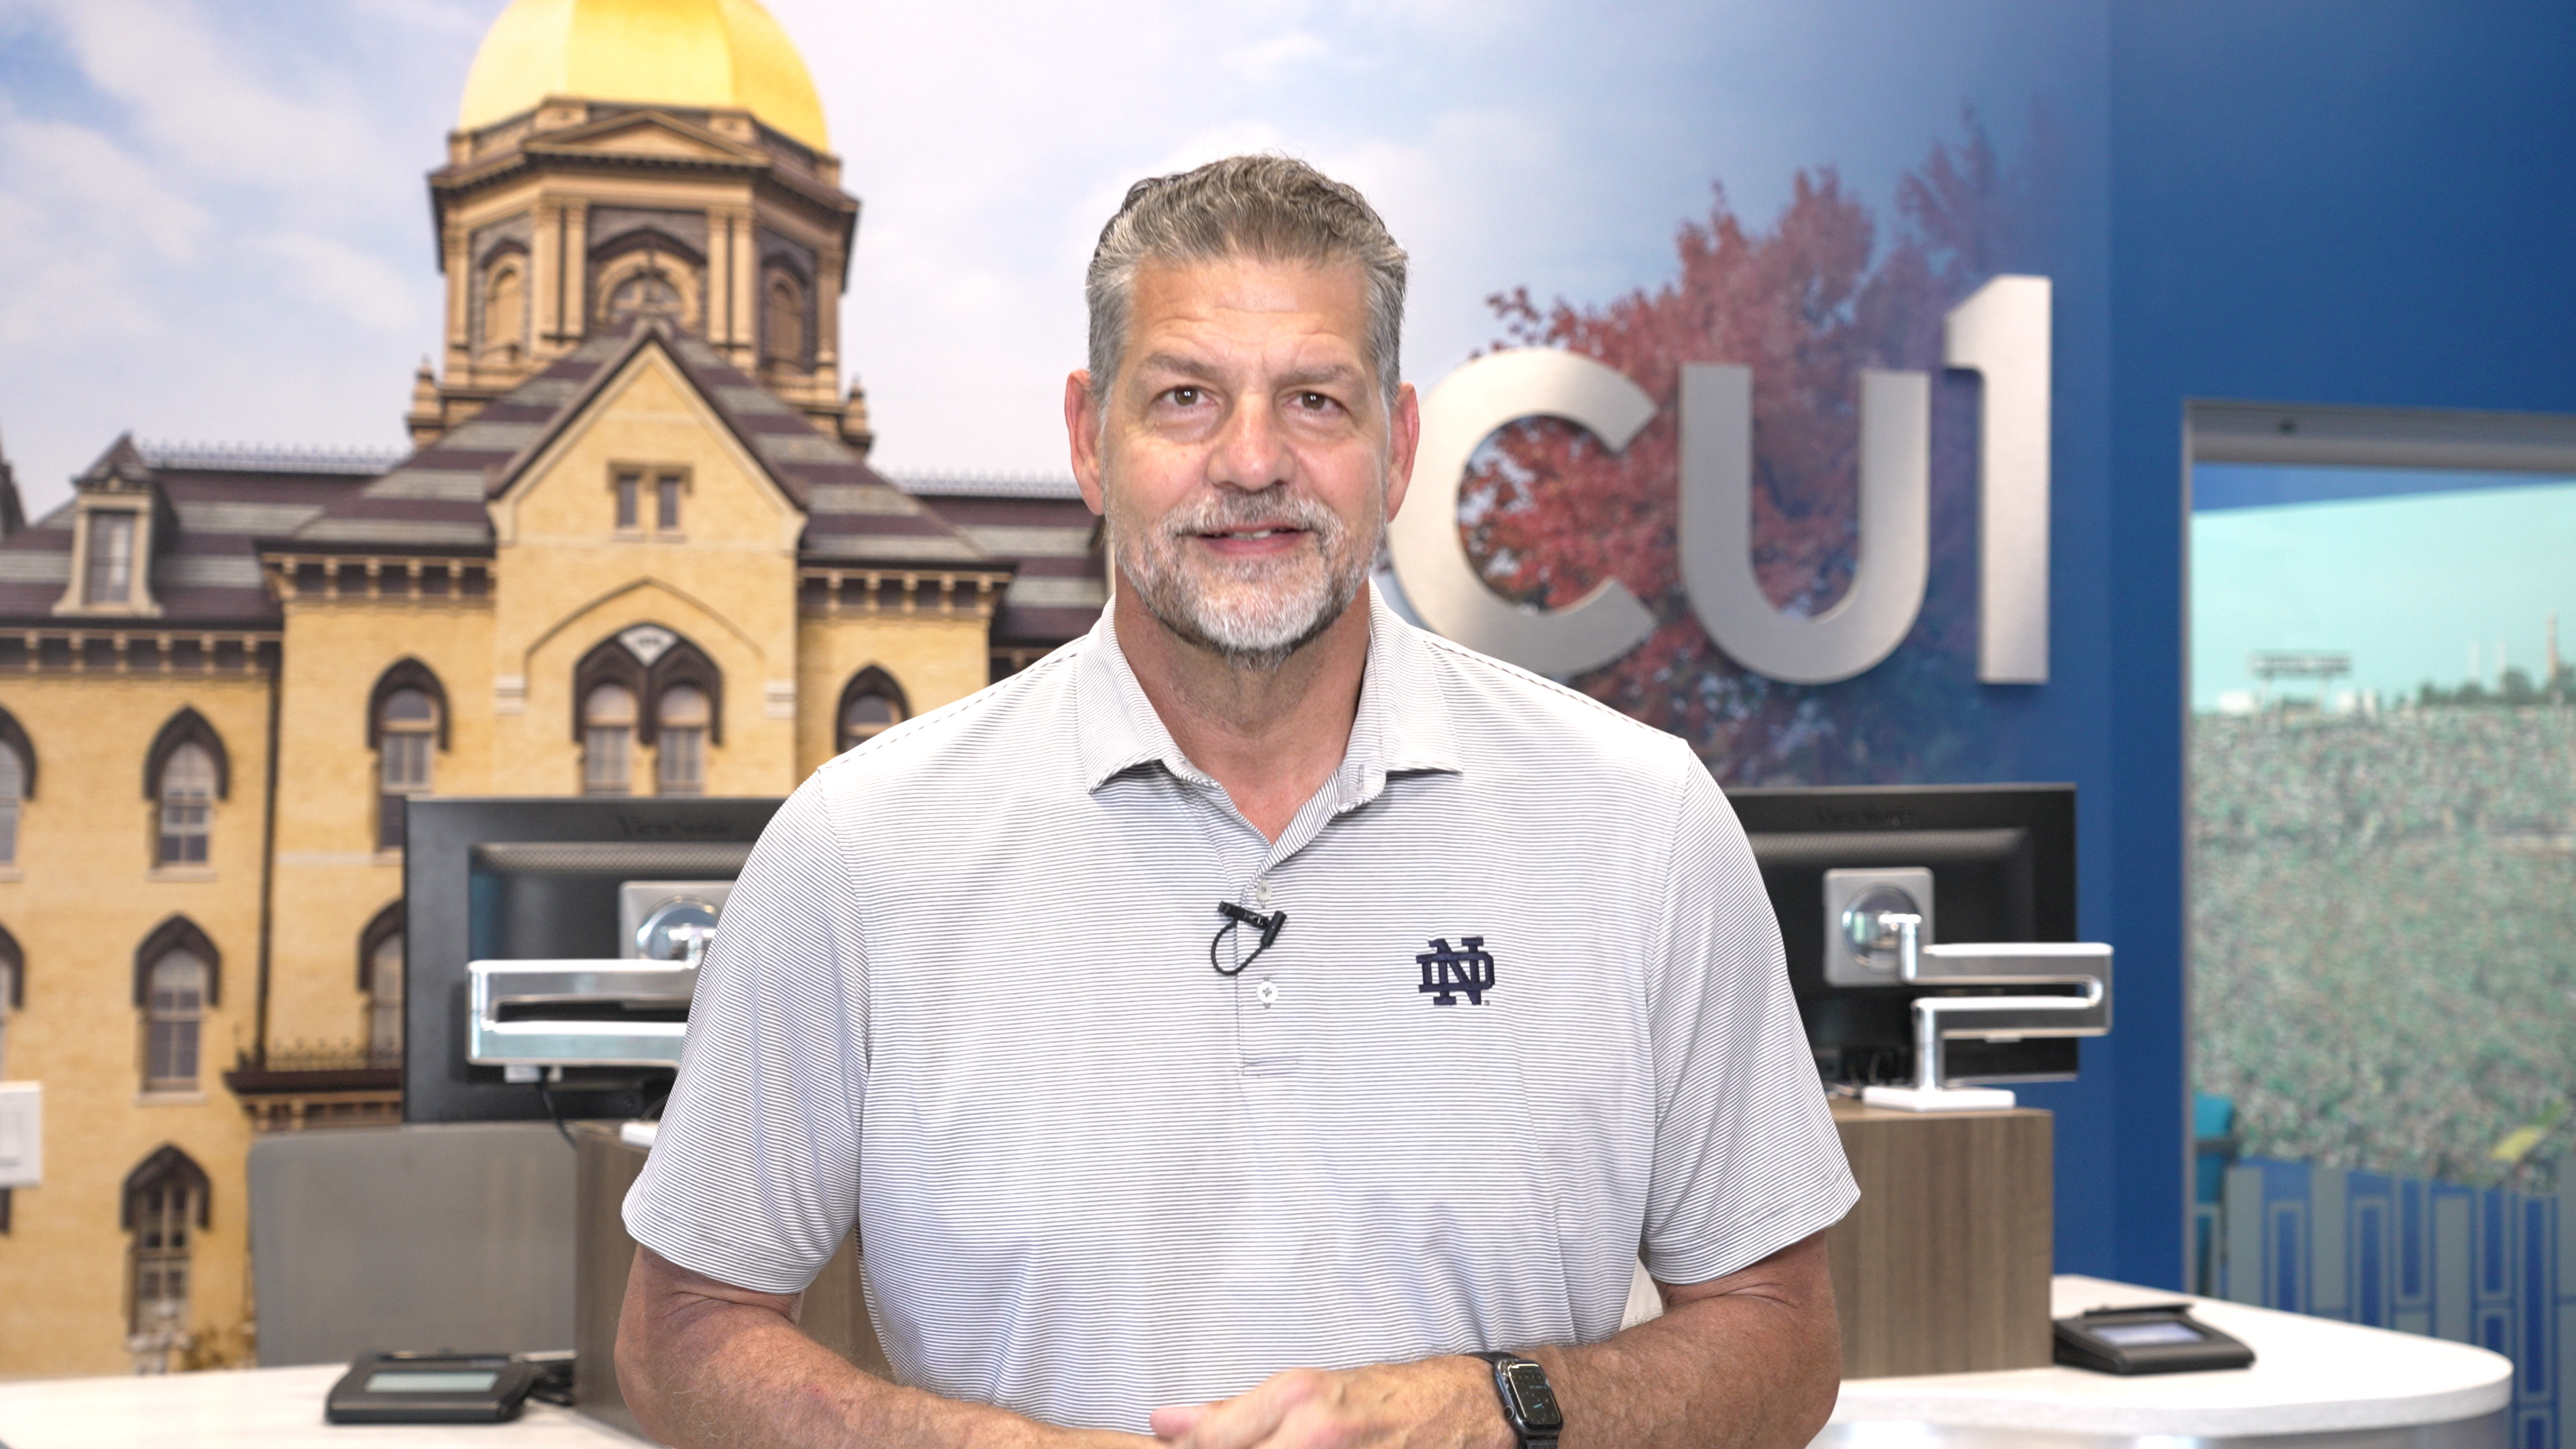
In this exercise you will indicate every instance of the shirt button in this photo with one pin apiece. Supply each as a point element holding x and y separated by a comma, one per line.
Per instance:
<point>1261,892</point>
<point>1268,991</point>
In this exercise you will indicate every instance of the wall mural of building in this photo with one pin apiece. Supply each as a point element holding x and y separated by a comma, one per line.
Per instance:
<point>639,550</point>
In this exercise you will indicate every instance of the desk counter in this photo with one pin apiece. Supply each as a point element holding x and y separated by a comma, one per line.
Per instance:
<point>277,1408</point>
<point>2315,1384</point>
<point>2329,1385</point>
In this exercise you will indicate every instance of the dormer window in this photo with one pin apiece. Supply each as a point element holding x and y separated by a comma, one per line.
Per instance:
<point>118,509</point>
<point>108,577</point>
<point>111,557</point>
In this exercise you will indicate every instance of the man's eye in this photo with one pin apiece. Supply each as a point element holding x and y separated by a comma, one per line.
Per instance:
<point>1187,397</point>
<point>1314,402</point>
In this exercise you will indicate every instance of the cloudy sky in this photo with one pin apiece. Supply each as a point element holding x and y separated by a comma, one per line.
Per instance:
<point>213,224</point>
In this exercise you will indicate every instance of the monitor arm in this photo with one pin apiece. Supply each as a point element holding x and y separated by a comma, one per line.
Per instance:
<point>527,1015</point>
<point>2070,982</point>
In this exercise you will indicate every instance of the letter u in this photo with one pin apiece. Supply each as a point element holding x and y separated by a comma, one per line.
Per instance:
<point>1873,616</point>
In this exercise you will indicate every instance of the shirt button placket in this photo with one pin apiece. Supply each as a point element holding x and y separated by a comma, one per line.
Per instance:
<point>1261,1024</point>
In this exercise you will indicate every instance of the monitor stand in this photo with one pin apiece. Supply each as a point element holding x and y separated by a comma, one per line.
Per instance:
<point>1938,1099</point>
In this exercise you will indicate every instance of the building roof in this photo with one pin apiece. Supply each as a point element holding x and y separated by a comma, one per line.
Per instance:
<point>716,54</point>
<point>1059,580</point>
<point>226,505</point>
<point>206,574</point>
<point>436,499</point>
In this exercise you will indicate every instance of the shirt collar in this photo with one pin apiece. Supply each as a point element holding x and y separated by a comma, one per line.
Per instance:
<point>1403,722</point>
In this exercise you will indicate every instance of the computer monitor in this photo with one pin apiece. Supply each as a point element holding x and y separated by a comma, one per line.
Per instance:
<point>2001,863</point>
<point>523,879</point>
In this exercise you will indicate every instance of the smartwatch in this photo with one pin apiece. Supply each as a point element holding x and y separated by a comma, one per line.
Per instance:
<point>1528,1402</point>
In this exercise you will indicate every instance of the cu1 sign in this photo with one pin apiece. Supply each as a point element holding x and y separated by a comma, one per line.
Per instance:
<point>2002,332</point>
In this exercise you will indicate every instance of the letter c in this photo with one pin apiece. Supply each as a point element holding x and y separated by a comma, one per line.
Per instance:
<point>1430,557</point>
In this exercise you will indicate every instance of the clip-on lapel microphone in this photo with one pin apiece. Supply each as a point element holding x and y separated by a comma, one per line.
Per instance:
<point>1239,916</point>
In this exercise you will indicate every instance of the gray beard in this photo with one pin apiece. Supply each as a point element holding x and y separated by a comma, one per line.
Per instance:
<point>1257,613</point>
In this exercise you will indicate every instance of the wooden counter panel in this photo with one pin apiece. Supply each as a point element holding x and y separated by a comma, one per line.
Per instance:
<point>1943,1267</point>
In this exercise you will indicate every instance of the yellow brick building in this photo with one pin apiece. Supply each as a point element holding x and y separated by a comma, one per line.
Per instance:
<point>638,549</point>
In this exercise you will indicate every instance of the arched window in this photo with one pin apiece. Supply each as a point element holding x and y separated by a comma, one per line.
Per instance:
<point>782,320</point>
<point>13,788</point>
<point>380,977</point>
<point>624,688</point>
<point>178,973</point>
<point>187,806</point>
<point>681,753</point>
<point>406,726</point>
<point>505,309</point>
<point>174,1011</point>
<point>607,739</point>
<point>167,1199</point>
<point>871,703</point>
<point>184,773</point>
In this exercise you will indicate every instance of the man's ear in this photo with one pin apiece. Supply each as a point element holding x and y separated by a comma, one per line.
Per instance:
<point>1082,435</point>
<point>1404,438</point>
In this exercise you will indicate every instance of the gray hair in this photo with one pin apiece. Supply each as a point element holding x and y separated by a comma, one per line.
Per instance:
<point>1267,208</point>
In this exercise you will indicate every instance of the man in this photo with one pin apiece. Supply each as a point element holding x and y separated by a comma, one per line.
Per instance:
<point>1228,1025</point>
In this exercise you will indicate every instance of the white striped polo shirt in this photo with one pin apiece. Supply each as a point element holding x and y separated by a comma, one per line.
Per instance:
<point>962,998</point>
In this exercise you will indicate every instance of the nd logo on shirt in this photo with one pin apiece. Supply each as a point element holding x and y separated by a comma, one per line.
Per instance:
<point>1446,973</point>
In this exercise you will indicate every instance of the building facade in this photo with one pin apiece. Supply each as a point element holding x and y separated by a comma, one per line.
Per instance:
<point>638,549</point>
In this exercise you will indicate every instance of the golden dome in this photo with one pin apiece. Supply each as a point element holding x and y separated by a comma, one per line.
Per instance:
<point>717,54</point>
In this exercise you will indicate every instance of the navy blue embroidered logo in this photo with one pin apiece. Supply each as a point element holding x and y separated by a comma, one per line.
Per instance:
<point>1446,973</point>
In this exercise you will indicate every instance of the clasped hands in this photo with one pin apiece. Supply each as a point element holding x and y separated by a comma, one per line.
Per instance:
<point>1437,1403</point>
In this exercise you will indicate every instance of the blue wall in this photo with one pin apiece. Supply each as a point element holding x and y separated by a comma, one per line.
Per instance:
<point>2363,201</point>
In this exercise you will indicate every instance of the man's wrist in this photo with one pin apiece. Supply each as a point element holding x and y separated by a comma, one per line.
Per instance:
<point>1483,1407</point>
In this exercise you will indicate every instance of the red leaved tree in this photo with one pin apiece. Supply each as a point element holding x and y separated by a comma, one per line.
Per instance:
<point>1548,514</point>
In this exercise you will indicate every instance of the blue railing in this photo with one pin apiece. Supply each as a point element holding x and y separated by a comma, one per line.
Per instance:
<point>2476,1265</point>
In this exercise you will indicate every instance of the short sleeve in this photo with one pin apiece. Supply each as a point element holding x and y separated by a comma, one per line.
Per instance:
<point>754,1176</point>
<point>1747,1161</point>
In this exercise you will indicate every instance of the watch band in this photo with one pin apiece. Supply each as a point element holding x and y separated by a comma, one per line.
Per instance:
<point>1529,1402</point>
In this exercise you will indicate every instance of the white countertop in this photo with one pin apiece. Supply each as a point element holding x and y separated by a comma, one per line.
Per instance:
<point>2309,1374</point>
<point>252,1409</point>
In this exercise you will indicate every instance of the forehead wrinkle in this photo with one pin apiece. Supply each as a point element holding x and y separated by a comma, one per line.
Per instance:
<point>1175,362</point>
<point>1325,373</point>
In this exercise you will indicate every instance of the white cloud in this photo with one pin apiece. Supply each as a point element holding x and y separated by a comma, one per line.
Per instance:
<point>81,221</point>
<point>362,287</point>
<point>215,106</point>
<point>84,181</point>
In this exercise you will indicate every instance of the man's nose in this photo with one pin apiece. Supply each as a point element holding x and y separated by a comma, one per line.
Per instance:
<point>1252,450</point>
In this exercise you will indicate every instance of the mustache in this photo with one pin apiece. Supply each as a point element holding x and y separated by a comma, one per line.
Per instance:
<point>1219,512</point>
